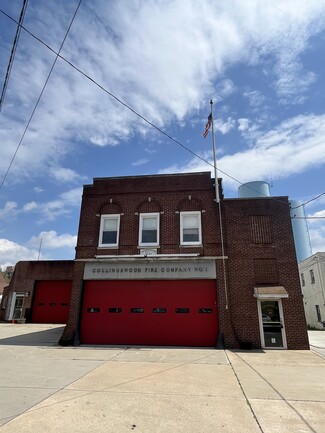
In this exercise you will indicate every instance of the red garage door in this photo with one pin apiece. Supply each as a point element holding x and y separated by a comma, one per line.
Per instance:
<point>162,313</point>
<point>51,302</point>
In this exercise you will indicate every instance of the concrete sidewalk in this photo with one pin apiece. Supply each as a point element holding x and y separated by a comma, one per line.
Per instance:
<point>47,388</point>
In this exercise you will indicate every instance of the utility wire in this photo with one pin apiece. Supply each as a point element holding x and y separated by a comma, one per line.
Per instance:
<point>13,51</point>
<point>58,55</point>
<point>120,101</point>
<point>40,96</point>
<point>312,199</point>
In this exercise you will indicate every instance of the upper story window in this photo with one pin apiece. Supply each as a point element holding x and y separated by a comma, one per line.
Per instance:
<point>312,276</point>
<point>109,230</point>
<point>191,232</point>
<point>149,229</point>
<point>302,279</point>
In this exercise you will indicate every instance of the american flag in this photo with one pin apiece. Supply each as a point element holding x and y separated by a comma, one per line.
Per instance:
<point>207,126</point>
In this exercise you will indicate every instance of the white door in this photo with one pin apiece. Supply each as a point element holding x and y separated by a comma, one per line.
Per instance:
<point>272,324</point>
<point>16,306</point>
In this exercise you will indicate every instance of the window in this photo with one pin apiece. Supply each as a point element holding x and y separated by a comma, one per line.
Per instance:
<point>205,310</point>
<point>136,310</point>
<point>115,310</point>
<point>319,317</point>
<point>312,276</point>
<point>260,226</point>
<point>109,230</point>
<point>93,310</point>
<point>182,310</point>
<point>302,279</point>
<point>191,228</point>
<point>159,310</point>
<point>149,229</point>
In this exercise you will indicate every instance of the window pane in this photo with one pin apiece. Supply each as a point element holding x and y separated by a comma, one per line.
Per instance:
<point>149,223</point>
<point>190,221</point>
<point>182,310</point>
<point>137,310</point>
<point>191,235</point>
<point>110,224</point>
<point>149,236</point>
<point>109,238</point>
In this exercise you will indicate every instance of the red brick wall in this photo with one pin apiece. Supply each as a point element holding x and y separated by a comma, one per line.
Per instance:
<point>27,273</point>
<point>130,196</point>
<point>241,320</point>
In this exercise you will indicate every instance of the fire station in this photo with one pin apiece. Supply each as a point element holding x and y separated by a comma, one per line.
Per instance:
<point>160,262</point>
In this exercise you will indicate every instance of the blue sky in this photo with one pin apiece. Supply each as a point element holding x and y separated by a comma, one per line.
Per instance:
<point>261,62</point>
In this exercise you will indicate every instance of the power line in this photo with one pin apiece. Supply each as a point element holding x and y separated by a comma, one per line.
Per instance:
<point>13,51</point>
<point>58,55</point>
<point>307,218</point>
<point>312,199</point>
<point>126,105</point>
<point>40,96</point>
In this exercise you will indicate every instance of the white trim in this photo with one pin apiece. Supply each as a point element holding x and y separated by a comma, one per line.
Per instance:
<point>283,333</point>
<point>142,216</point>
<point>103,218</point>
<point>127,257</point>
<point>188,213</point>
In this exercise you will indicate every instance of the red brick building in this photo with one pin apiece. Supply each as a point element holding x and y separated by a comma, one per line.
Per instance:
<point>159,262</point>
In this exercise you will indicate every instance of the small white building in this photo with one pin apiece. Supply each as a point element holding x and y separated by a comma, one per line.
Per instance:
<point>312,277</point>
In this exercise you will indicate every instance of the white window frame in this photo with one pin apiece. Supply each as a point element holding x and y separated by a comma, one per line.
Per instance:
<point>141,219</point>
<point>102,221</point>
<point>312,276</point>
<point>190,213</point>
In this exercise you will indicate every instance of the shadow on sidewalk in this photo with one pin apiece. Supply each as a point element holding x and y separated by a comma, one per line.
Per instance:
<point>48,337</point>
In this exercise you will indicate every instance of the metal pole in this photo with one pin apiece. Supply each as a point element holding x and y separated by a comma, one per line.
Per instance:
<point>216,183</point>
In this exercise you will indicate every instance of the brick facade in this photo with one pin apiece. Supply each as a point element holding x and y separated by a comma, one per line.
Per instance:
<point>257,244</point>
<point>28,273</point>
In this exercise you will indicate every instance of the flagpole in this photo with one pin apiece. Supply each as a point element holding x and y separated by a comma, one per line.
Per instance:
<point>216,183</point>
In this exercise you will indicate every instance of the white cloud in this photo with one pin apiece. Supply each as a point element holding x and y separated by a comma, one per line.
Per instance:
<point>256,99</point>
<point>28,207</point>
<point>64,175</point>
<point>243,124</point>
<point>51,240</point>
<point>292,147</point>
<point>11,253</point>
<point>50,210</point>
<point>44,246</point>
<point>166,56</point>
<point>225,127</point>
<point>9,209</point>
<point>139,162</point>
<point>317,237</point>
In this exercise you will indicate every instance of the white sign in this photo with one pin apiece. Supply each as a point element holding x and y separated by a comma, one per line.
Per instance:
<point>204,269</point>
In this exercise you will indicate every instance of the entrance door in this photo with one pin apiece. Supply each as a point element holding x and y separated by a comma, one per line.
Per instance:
<point>16,306</point>
<point>271,319</point>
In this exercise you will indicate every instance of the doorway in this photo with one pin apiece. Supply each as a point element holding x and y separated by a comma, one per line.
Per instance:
<point>272,324</point>
<point>16,306</point>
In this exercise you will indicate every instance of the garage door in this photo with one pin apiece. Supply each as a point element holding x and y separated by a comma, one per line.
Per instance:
<point>51,302</point>
<point>181,313</point>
